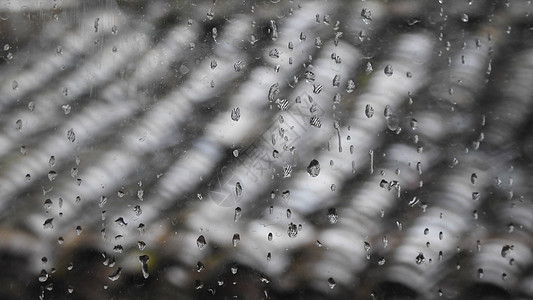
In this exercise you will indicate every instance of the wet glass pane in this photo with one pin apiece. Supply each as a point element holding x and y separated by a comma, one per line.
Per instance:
<point>266,149</point>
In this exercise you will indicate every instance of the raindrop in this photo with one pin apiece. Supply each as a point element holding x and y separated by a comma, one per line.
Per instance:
<point>314,168</point>
<point>137,210</point>
<point>120,222</point>
<point>47,204</point>
<point>350,86</point>
<point>78,230</point>
<point>18,124</point>
<point>480,273</point>
<point>52,161</point>
<point>293,230</point>
<point>419,258</point>
<point>43,276</point>
<point>464,18</point>
<point>71,135</point>
<point>366,14</point>
<point>116,275</point>
<point>367,246</point>
<point>369,111</point>
<point>269,237</point>
<point>199,266</point>
<point>414,124</point>
<point>274,53</point>
<point>143,259</point>
<point>369,69</point>
<point>331,283</point>
<point>15,85</point>
<point>210,14</point>
<point>506,250</point>
<point>238,190</point>
<point>48,223</point>
<point>289,213</point>
<point>318,42</point>
<point>235,114</point>
<point>141,245</point>
<point>201,242</point>
<point>238,214</point>
<point>236,238</point>
<point>388,70</point>
<point>52,175</point>
<point>238,66</point>
<point>475,196</point>
<point>381,261</point>
<point>473,178</point>
<point>333,217</point>
<point>102,201</point>
<point>31,106</point>
<point>315,121</point>
<point>337,80</point>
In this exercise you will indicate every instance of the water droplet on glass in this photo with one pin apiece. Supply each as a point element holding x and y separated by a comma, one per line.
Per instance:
<point>116,275</point>
<point>143,259</point>
<point>506,250</point>
<point>47,204</point>
<point>235,114</point>
<point>120,222</point>
<point>314,168</point>
<point>464,18</point>
<point>367,16</point>
<point>18,124</point>
<point>238,66</point>
<point>201,242</point>
<point>331,283</point>
<point>381,261</point>
<point>238,191</point>
<point>102,201</point>
<point>369,111</point>
<point>315,121</point>
<point>419,258</point>
<point>480,273</point>
<point>350,86</point>
<point>43,276</point>
<point>333,217</point>
<point>269,236</point>
<point>48,223</point>
<point>475,196</point>
<point>388,70</point>
<point>15,85</point>
<point>293,230</point>
<point>337,80</point>
<point>236,238</point>
<point>71,135</point>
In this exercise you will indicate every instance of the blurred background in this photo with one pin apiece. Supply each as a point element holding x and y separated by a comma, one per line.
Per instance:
<point>266,149</point>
